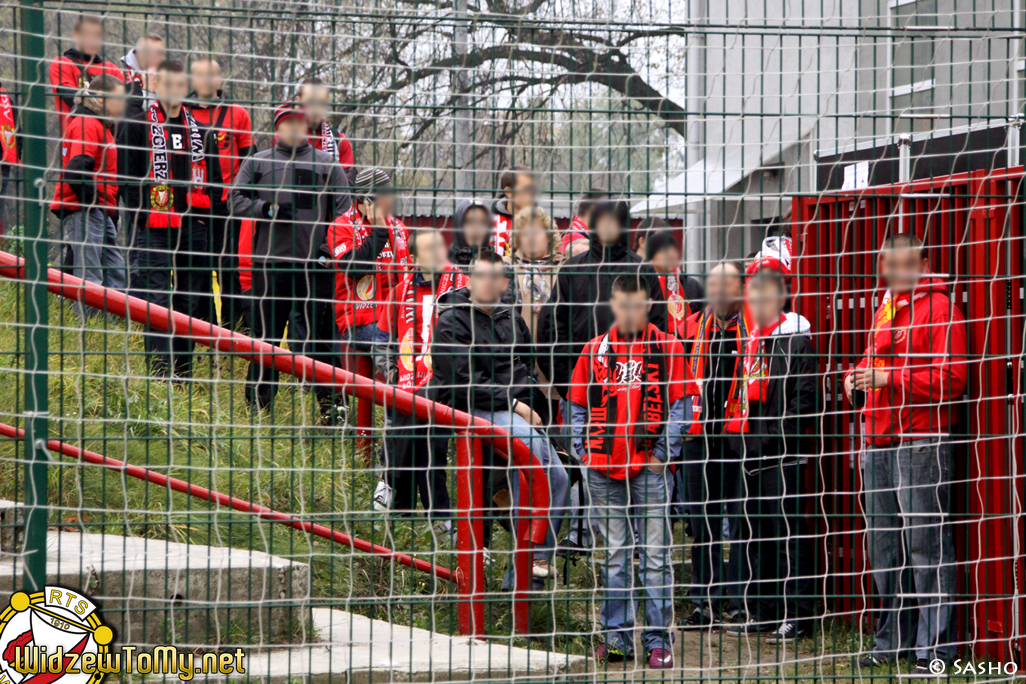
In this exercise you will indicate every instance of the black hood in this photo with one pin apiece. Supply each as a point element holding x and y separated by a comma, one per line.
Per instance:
<point>616,252</point>
<point>460,253</point>
<point>74,54</point>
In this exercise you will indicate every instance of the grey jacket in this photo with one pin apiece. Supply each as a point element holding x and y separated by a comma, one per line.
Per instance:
<point>310,190</point>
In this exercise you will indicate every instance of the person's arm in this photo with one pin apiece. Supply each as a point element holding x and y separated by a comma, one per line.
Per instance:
<point>561,348</point>
<point>133,165</point>
<point>358,261</point>
<point>245,196</point>
<point>578,424</point>
<point>944,377</point>
<point>64,79</point>
<point>674,440</point>
<point>81,148</point>
<point>801,394</point>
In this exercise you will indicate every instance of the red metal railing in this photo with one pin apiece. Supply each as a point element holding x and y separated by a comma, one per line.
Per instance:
<point>971,224</point>
<point>471,431</point>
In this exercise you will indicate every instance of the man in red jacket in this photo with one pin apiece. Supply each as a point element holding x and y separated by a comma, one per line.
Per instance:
<point>227,139</point>
<point>627,413</point>
<point>9,153</point>
<point>914,368</point>
<point>73,70</point>
<point>86,200</point>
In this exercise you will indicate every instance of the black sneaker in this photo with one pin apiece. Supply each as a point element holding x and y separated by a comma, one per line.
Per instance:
<point>871,662</point>
<point>923,669</point>
<point>749,628</point>
<point>786,633</point>
<point>700,618</point>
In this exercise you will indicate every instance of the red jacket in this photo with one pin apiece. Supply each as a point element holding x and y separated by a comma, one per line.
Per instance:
<point>361,300</point>
<point>71,72</point>
<point>89,161</point>
<point>927,363</point>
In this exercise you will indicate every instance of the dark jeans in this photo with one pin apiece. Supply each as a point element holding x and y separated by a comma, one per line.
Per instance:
<point>912,547</point>
<point>224,252</point>
<point>712,488</point>
<point>276,290</point>
<point>172,271</point>
<point>415,458</point>
<point>771,577</point>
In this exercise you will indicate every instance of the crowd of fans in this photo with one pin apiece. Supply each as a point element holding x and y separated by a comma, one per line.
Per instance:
<point>647,397</point>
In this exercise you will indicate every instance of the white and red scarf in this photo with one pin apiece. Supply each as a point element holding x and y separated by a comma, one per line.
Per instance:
<point>8,125</point>
<point>324,139</point>
<point>162,198</point>
<point>415,354</point>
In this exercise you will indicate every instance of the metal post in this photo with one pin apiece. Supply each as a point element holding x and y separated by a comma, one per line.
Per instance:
<point>33,127</point>
<point>904,158</point>
<point>463,153</point>
<point>523,557</point>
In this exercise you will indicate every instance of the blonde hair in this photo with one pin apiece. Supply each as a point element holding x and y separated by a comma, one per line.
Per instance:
<point>530,215</point>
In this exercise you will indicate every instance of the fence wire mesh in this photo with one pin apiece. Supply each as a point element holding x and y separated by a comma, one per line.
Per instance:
<point>421,340</point>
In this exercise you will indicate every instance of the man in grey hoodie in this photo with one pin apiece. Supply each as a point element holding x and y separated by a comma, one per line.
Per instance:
<point>293,192</point>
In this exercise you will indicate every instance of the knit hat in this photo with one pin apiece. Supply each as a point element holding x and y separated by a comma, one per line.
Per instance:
<point>287,109</point>
<point>371,181</point>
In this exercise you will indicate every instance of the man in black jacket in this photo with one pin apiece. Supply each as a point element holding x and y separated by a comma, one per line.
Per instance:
<point>163,168</point>
<point>483,359</point>
<point>294,192</point>
<point>778,401</point>
<point>471,231</point>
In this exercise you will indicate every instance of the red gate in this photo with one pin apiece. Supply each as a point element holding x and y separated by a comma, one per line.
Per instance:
<point>972,227</point>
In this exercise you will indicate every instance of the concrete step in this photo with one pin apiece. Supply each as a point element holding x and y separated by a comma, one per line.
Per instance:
<point>153,592</point>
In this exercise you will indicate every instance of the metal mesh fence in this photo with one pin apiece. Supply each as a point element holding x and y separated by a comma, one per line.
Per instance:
<point>434,341</point>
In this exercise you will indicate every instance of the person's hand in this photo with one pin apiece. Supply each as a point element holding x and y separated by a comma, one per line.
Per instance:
<point>376,216</point>
<point>849,385</point>
<point>870,379</point>
<point>527,413</point>
<point>282,212</point>
<point>655,465</point>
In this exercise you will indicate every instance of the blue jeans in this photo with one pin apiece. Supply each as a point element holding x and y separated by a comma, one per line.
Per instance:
<point>93,239</point>
<point>616,505</point>
<point>911,547</point>
<point>548,458</point>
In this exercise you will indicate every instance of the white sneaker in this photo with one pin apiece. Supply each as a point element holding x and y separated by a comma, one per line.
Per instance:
<point>382,500</point>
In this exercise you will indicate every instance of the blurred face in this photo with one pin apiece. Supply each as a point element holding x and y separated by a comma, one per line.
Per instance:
<point>171,88</point>
<point>630,311</point>
<point>723,288</point>
<point>206,78</point>
<point>902,268</point>
<point>114,103</point>
<point>476,226</point>
<point>533,240</point>
<point>150,53</point>
<point>292,131</point>
<point>317,102</point>
<point>666,260</point>
<point>431,251</point>
<point>524,192</point>
<point>383,204</point>
<point>765,300</point>
<point>88,38</point>
<point>608,229</point>
<point>487,282</point>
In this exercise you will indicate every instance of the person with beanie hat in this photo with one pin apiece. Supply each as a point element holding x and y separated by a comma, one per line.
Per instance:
<point>369,248</point>
<point>292,192</point>
<point>683,294</point>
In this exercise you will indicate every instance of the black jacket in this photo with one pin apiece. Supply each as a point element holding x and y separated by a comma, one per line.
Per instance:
<point>482,362</point>
<point>580,304</point>
<point>777,426</point>
<point>460,253</point>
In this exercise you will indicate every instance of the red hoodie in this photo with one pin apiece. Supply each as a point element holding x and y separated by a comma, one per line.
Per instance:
<point>921,341</point>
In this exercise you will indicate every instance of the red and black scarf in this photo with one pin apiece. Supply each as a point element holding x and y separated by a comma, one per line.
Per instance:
<point>415,358</point>
<point>699,357</point>
<point>755,379</point>
<point>162,191</point>
<point>324,139</point>
<point>608,421</point>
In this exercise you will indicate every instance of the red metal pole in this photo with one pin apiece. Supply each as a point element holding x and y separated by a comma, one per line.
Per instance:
<point>470,576</point>
<point>523,559</point>
<point>230,501</point>
<point>299,366</point>
<point>364,412</point>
